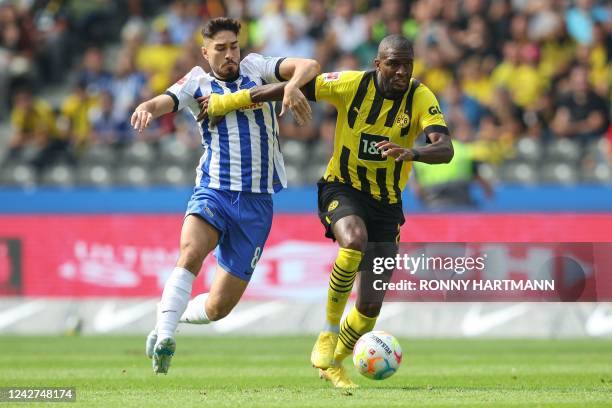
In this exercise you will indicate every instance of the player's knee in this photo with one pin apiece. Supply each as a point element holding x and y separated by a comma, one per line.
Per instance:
<point>218,310</point>
<point>356,239</point>
<point>369,309</point>
<point>191,256</point>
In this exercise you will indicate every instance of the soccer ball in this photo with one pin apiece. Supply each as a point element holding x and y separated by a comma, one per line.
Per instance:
<point>377,355</point>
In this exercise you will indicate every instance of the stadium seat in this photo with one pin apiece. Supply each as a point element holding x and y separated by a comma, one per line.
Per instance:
<point>173,175</point>
<point>519,172</point>
<point>597,147</point>
<point>563,150</point>
<point>138,153</point>
<point>599,173</point>
<point>135,175</point>
<point>320,152</point>
<point>294,174</point>
<point>559,173</point>
<point>528,149</point>
<point>61,175</point>
<point>488,172</point>
<point>174,152</point>
<point>99,154</point>
<point>18,175</point>
<point>193,158</point>
<point>295,152</point>
<point>94,175</point>
<point>313,173</point>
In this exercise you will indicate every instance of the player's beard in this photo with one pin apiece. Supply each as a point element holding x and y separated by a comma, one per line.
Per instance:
<point>228,72</point>
<point>387,88</point>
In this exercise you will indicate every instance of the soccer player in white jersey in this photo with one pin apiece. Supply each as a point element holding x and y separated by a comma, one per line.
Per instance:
<point>231,205</point>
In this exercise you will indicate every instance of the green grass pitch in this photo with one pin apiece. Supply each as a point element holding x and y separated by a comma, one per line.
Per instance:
<point>226,371</point>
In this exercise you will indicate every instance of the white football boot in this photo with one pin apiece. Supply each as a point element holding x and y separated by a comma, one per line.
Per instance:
<point>162,355</point>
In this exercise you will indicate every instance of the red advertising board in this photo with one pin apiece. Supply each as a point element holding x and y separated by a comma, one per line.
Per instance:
<point>131,255</point>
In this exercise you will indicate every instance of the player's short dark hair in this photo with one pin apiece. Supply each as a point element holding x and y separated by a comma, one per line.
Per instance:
<point>395,42</point>
<point>219,24</point>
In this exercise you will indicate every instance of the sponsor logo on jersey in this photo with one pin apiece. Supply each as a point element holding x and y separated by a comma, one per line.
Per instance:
<point>253,106</point>
<point>333,205</point>
<point>331,76</point>
<point>434,110</point>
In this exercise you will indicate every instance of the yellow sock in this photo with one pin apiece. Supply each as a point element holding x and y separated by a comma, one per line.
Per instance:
<point>353,327</point>
<point>340,285</point>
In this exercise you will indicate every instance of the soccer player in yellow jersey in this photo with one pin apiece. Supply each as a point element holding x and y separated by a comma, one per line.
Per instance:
<point>380,114</point>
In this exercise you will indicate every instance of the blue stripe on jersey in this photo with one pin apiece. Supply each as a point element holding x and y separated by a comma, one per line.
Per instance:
<point>246,82</point>
<point>263,134</point>
<point>276,183</point>
<point>206,167</point>
<point>245,145</point>
<point>206,140</point>
<point>224,149</point>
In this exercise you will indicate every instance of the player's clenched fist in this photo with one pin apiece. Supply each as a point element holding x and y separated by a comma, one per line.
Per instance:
<point>141,119</point>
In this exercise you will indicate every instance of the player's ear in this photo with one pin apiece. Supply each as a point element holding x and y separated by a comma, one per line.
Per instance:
<point>376,62</point>
<point>204,52</point>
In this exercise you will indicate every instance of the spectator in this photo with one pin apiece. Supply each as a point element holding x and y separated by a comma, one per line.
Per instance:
<point>126,86</point>
<point>157,59</point>
<point>35,137</point>
<point>455,103</point>
<point>581,114</point>
<point>294,42</point>
<point>581,19</point>
<point>73,123</point>
<point>448,186</point>
<point>346,21</point>
<point>106,128</point>
<point>92,73</point>
<point>181,21</point>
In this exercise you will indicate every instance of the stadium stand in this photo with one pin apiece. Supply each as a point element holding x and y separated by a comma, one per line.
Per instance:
<point>529,81</point>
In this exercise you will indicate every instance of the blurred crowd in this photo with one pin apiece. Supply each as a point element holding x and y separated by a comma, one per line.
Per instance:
<point>503,70</point>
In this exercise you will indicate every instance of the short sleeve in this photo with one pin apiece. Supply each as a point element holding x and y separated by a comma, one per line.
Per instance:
<point>427,108</point>
<point>182,92</point>
<point>267,68</point>
<point>337,87</point>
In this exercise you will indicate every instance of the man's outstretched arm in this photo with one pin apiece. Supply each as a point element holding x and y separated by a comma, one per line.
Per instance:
<point>220,105</point>
<point>151,109</point>
<point>439,151</point>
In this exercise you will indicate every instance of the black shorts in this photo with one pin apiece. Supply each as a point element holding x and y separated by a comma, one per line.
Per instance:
<point>338,200</point>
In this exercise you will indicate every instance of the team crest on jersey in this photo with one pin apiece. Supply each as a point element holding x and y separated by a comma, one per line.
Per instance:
<point>402,120</point>
<point>331,76</point>
<point>333,205</point>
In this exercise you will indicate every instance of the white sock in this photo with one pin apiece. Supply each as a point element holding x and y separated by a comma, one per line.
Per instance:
<point>196,311</point>
<point>173,302</point>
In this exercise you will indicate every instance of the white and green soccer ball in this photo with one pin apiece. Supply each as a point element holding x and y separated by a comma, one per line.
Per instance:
<point>377,355</point>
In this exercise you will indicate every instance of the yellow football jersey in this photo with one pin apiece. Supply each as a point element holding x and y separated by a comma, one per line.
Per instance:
<point>365,118</point>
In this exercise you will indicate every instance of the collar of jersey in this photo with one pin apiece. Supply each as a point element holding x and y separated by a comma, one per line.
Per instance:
<point>224,81</point>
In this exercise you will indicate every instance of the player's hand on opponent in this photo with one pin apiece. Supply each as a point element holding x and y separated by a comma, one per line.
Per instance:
<point>141,119</point>
<point>389,149</point>
<point>203,102</point>
<point>295,101</point>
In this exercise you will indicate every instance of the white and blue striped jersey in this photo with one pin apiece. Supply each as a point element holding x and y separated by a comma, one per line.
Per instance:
<point>241,153</point>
